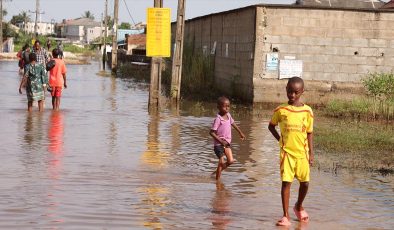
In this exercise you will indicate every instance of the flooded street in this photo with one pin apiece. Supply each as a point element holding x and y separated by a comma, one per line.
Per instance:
<point>103,162</point>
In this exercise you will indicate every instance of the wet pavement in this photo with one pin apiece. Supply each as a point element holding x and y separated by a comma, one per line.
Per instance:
<point>104,162</point>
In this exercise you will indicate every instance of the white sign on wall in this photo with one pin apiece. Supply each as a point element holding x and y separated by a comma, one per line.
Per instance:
<point>272,61</point>
<point>290,68</point>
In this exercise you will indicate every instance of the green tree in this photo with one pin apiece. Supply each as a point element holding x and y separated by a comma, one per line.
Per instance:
<point>110,22</point>
<point>88,14</point>
<point>21,17</point>
<point>125,25</point>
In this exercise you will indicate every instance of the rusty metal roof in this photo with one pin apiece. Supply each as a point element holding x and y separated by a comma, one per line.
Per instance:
<point>389,5</point>
<point>355,4</point>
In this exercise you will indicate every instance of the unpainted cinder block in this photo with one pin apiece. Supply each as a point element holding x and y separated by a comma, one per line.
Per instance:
<point>378,43</point>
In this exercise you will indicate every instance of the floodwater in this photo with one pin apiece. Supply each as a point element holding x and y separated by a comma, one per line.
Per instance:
<point>104,162</point>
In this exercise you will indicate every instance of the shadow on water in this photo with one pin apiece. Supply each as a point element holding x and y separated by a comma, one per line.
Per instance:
<point>104,162</point>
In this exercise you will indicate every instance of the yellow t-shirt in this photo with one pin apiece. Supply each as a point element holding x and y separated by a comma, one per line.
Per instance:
<point>294,123</point>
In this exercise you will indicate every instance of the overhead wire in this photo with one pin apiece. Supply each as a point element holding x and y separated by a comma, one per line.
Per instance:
<point>132,19</point>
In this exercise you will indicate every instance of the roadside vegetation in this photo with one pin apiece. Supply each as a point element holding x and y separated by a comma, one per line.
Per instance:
<point>362,137</point>
<point>377,104</point>
<point>341,143</point>
<point>197,75</point>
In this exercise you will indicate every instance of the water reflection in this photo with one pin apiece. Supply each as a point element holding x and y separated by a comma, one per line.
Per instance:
<point>55,133</point>
<point>54,163</point>
<point>34,132</point>
<point>221,207</point>
<point>155,196</point>
<point>153,156</point>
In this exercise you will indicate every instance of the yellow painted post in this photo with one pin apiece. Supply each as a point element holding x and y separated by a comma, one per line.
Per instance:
<point>158,45</point>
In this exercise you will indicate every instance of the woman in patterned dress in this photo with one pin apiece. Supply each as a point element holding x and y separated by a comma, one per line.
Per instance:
<point>34,79</point>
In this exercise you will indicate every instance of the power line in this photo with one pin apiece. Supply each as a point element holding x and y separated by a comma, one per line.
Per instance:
<point>129,11</point>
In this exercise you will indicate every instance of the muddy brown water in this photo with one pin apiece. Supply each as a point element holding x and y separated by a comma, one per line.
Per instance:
<point>104,162</point>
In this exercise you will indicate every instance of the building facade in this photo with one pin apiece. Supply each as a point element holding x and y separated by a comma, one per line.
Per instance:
<point>43,28</point>
<point>256,48</point>
<point>81,30</point>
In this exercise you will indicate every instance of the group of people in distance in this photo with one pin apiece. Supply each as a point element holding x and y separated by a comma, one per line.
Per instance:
<point>35,76</point>
<point>295,120</point>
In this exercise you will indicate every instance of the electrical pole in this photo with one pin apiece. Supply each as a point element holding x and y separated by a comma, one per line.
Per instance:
<point>37,12</point>
<point>105,34</point>
<point>35,23</point>
<point>101,28</point>
<point>176,74</point>
<point>155,74</point>
<point>1,26</point>
<point>114,63</point>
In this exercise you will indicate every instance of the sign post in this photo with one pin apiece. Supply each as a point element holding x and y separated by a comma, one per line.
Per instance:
<point>157,46</point>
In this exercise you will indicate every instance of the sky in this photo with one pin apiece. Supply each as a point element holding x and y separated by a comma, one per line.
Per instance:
<point>70,9</point>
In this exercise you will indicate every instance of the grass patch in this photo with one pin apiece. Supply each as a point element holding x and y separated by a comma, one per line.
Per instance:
<point>359,145</point>
<point>356,108</point>
<point>361,109</point>
<point>76,49</point>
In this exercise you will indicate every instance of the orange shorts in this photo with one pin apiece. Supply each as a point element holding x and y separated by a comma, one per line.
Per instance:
<point>56,92</point>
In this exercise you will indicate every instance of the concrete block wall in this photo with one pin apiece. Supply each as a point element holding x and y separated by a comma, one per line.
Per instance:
<point>336,46</point>
<point>234,35</point>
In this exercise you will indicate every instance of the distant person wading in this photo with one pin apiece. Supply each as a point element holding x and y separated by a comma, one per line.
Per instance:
<point>35,81</point>
<point>57,79</point>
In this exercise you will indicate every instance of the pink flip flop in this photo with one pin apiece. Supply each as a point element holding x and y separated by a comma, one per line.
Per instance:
<point>283,222</point>
<point>302,215</point>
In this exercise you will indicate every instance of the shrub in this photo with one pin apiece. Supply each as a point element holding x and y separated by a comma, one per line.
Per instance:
<point>381,87</point>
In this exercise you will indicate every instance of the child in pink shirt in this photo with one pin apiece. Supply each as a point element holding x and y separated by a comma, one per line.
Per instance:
<point>221,133</point>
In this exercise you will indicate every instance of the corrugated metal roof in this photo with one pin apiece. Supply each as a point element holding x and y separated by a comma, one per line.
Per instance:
<point>389,5</point>
<point>287,6</point>
<point>137,39</point>
<point>355,4</point>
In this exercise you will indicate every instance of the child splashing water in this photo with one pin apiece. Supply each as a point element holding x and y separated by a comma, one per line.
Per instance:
<point>221,133</point>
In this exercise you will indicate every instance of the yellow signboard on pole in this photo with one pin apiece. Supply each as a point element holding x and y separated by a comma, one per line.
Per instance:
<point>158,37</point>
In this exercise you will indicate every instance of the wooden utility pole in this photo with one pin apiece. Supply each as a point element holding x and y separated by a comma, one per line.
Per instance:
<point>37,12</point>
<point>35,23</point>
<point>155,73</point>
<point>101,28</point>
<point>1,26</point>
<point>176,74</point>
<point>114,62</point>
<point>105,34</point>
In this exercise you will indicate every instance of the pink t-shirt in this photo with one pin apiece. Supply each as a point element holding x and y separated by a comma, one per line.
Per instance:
<point>56,73</point>
<point>222,128</point>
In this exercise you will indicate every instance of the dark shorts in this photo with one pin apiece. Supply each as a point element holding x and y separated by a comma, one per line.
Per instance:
<point>219,150</point>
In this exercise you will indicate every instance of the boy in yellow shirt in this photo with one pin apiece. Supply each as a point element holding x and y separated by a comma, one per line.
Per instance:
<point>295,121</point>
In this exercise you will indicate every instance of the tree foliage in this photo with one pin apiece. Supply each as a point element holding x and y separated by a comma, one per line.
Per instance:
<point>110,22</point>
<point>125,25</point>
<point>88,14</point>
<point>21,17</point>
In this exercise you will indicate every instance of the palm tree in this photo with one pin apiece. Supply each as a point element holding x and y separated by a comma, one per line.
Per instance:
<point>88,14</point>
<point>21,17</point>
<point>25,17</point>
